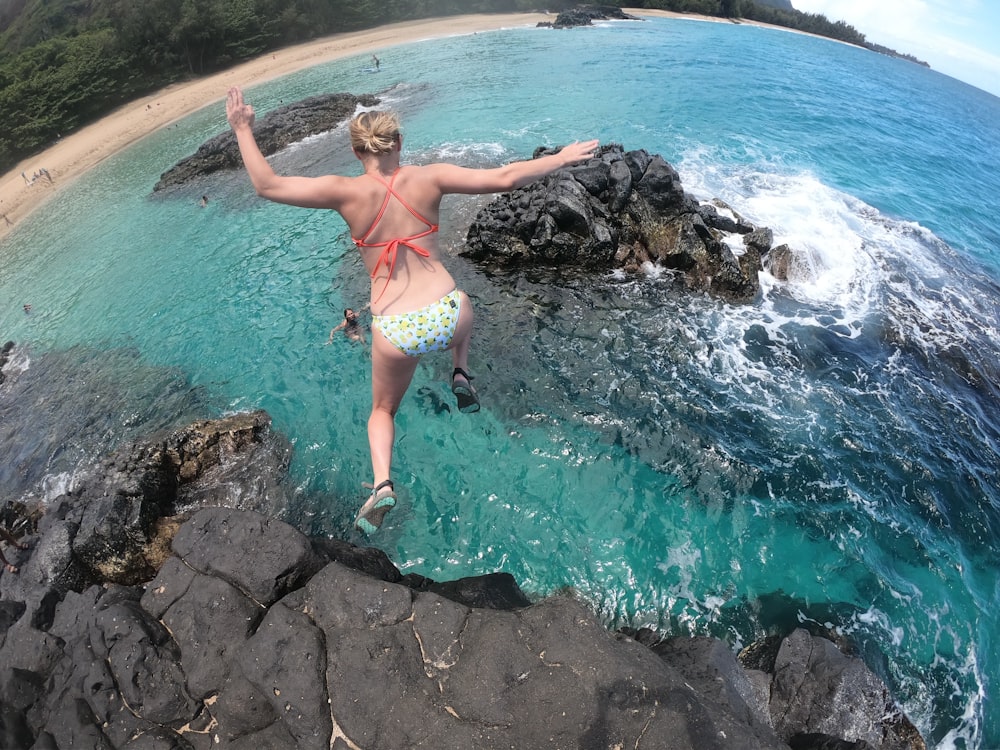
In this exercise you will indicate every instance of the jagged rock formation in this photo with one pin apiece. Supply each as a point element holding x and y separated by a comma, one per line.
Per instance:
<point>585,15</point>
<point>621,209</point>
<point>274,131</point>
<point>147,615</point>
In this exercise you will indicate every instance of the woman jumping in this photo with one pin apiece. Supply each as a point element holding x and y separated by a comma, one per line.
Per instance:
<point>392,212</point>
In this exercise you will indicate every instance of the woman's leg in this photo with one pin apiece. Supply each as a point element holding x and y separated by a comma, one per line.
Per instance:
<point>463,335</point>
<point>392,372</point>
<point>468,401</point>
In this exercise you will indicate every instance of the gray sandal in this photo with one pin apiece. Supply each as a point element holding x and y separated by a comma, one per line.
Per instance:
<point>468,401</point>
<point>380,502</point>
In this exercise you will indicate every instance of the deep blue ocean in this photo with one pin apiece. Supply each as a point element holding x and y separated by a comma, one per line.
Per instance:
<point>829,453</point>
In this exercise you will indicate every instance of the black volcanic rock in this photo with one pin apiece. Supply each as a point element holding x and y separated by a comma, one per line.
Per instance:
<point>585,15</point>
<point>237,630</point>
<point>274,131</point>
<point>621,209</point>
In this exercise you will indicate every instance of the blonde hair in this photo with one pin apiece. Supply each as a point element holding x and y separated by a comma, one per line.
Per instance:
<point>374,132</point>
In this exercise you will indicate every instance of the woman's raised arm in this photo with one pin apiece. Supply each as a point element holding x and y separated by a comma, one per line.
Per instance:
<point>454,179</point>
<point>329,191</point>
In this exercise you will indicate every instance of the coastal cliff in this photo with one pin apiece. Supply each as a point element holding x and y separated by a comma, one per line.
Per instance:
<point>162,603</point>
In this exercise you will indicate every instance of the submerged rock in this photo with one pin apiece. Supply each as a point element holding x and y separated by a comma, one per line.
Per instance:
<point>622,209</point>
<point>279,128</point>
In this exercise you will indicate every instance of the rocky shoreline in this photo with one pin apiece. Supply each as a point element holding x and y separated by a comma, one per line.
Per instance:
<point>158,608</point>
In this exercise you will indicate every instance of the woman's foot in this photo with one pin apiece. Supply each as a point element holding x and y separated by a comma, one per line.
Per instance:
<point>461,386</point>
<point>380,502</point>
<point>11,568</point>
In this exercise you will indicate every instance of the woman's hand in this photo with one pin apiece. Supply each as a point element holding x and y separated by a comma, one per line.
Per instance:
<point>574,153</point>
<point>239,113</point>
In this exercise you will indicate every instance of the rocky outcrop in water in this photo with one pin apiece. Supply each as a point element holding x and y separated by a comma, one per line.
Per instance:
<point>585,15</point>
<point>162,604</point>
<point>276,130</point>
<point>622,209</point>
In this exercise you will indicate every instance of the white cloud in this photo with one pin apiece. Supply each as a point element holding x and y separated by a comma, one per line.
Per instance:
<point>898,19</point>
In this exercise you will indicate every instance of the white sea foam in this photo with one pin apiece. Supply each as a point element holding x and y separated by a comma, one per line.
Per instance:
<point>54,485</point>
<point>967,733</point>
<point>832,264</point>
<point>681,563</point>
<point>852,267</point>
<point>19,361</point>
<point>653,271</point>
<point>308,143</point>
<point>395,96</point>
<point>477,154</point>
<point>954,655</point>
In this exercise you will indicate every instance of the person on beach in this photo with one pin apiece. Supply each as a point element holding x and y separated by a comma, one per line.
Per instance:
<point>376,61</point>
<point>392,212</point>
<point>350,326</point>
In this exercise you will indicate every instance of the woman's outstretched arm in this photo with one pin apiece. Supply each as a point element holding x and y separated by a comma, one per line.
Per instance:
<point>453,179</point>
<point>309,192</point>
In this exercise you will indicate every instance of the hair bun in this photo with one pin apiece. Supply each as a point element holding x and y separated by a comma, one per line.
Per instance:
<point>375,132</point>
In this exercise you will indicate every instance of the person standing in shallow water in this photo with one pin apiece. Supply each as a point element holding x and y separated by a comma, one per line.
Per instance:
<point>392,212</point>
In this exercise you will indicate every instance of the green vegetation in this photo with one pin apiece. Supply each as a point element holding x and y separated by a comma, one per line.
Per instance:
<point>811,23</point>
<point>765,11</point>
<point>65,63</point>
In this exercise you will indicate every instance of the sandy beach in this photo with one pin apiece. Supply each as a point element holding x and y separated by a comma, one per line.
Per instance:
<point>76,153</point>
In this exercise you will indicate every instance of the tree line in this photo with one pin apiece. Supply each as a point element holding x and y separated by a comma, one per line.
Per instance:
<point>66,63</point>
<point>764,12</point>
<point>812,23</point>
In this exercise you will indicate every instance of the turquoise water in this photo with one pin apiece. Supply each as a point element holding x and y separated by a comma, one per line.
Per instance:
<point>829,453</point>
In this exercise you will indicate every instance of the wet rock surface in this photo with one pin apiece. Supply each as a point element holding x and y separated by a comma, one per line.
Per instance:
<point>621,210</point>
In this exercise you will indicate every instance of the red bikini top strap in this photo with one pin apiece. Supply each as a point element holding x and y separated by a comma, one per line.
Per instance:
<point>387,257</point>
<point>389,192</point>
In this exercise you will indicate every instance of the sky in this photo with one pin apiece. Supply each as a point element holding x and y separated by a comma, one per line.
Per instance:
<point>960,38</point>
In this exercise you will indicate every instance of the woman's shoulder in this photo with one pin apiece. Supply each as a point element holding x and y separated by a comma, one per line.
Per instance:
<point>425,176</point>
<point>440,173</point>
